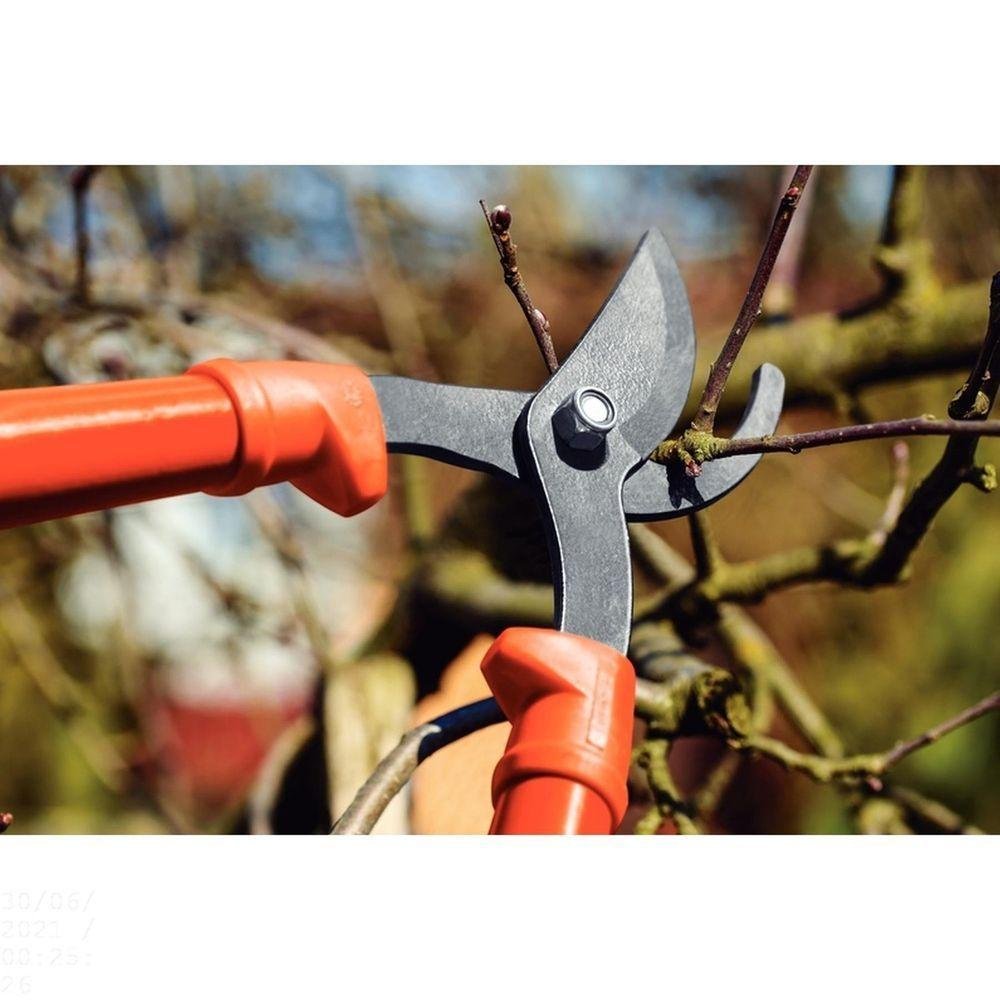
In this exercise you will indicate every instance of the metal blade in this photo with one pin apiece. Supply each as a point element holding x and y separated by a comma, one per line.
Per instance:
<point>640,348</point>
<point>638,355</point>
<point>464,426</point>
<point>657,492</point>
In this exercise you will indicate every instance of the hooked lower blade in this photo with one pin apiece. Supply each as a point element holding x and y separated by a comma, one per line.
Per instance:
<point>658,492</point>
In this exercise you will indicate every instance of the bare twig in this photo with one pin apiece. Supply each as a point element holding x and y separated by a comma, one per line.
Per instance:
<point>957,464</point>
<point>704,420</point>
<point>779,298</point>
<point>694,451</point>
<point>968,413</point>
<point>499,222</point>
<point>927,811</point>
<point>417,745</point>
<point>897,496</point>
<point>861,767</point>
<point>707,555</point>
<point>991,703</point>
<point>80,180</point>
<point>653,757</point>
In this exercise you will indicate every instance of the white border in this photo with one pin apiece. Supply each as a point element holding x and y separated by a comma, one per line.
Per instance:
<point>449,81</point>
<point>475,917</point>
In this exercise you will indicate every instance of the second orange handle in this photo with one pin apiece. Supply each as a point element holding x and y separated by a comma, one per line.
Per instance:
<point>570,701</point>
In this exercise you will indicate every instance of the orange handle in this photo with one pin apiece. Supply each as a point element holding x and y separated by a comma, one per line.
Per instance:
<point>570,701</point>
<point>225,427</point>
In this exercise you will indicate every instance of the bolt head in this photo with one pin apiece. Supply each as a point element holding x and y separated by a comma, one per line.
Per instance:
<point>584,418</point>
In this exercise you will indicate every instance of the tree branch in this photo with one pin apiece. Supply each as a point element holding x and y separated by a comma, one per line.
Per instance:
<point>897,495</point>
<point>415,746</point>
<point>779,297</point>
<point>652,756</point>
<point>693,450</point>
<point>80,180</point>
<point>499,222</point>
<point>883,556</point>
<point>867,767</point>
<point>704,419</point>
<point>957,465</point>
<point>827,356</point>
<point>991,703</point>
<point>903,255</point>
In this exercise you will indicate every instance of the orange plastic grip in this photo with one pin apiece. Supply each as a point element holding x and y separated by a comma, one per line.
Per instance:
<point>317,425</point>
<point>225,427</point>
<point>570,701</point>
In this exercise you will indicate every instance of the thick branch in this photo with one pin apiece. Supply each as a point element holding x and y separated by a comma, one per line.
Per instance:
<point>957,464</point>
<point>416,746</point>
<point>882,557</point>
<point>826,356</point>
<point>499,222</point>
<point>715,385</point>
<point>903,255</point>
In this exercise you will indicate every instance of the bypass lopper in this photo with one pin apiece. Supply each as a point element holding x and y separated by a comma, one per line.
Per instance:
<point>579,445</point>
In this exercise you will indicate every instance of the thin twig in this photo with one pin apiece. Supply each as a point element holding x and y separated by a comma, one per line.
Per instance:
<point>415,746</point>
<point>653,757</point>
<point>779,298</point>
<point>80,180</point>
<point>499,223</point>
<point>707,554</point>
<point>930,812</point>
<point>711,448</point>
<point>866,767</point>
<point>897,495</point>
<point>704,419</point>
<point>991,703</point>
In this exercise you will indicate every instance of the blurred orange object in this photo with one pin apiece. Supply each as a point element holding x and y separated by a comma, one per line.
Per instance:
<point>225,428</point>
<point>450,792</point>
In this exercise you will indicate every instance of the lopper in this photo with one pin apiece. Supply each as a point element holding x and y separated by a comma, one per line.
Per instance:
<point>579,445</point>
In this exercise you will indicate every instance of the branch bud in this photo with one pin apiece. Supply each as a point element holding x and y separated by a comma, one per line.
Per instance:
<point>500,219</point>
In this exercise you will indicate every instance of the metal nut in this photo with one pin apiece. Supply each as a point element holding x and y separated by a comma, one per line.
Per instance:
<point>584,418</point>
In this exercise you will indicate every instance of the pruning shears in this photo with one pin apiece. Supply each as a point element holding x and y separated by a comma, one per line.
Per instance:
<point>579,445</point>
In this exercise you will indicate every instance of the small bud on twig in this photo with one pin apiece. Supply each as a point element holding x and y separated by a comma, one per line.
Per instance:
<point>500,219</point>
<point>5,820</point>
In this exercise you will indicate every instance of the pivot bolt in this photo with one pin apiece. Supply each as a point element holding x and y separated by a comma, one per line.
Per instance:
<point>584,418</point>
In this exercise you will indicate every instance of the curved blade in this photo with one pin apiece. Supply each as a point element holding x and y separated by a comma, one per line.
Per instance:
<point>640,348</point>
<point>640,352</point>
<point>658,492</point>
<point>468,427</point>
